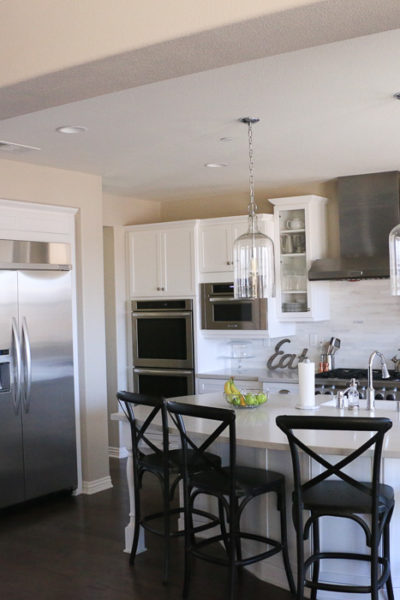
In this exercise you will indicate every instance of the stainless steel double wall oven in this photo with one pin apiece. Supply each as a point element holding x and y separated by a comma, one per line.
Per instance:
<point>163,354</point>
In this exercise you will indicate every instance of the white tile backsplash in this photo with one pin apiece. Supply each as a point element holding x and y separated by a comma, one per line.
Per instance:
<point>363,315</point>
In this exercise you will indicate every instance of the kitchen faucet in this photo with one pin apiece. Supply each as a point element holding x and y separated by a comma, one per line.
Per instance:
<point>385,375</point>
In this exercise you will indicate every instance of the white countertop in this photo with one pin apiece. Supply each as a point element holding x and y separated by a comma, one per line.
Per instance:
<point>267,375</point>
<point>256,427</point>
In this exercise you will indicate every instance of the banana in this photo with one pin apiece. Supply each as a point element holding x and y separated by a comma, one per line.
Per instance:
<point>227,387</point>
<point>234,388</point>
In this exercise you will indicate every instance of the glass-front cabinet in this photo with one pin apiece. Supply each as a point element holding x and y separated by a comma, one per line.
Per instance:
<point>300,238</point>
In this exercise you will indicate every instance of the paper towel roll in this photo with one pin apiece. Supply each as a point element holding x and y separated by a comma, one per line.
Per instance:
<point>307,384</point>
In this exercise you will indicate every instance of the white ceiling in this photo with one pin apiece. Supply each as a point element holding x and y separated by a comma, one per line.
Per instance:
<point>325,111</point>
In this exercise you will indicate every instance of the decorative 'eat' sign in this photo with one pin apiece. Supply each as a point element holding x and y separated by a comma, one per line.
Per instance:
<point>280,360</point>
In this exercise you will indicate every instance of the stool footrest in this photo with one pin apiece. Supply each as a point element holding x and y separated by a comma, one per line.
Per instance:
<point>276,547</point>
<point>337,587</point>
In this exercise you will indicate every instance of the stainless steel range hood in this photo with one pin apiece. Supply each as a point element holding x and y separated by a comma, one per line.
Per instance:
<point>369,207</point>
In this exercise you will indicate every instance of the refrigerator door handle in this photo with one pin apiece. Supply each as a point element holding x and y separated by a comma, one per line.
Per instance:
<point>26,348</point>
<point>16,365</point>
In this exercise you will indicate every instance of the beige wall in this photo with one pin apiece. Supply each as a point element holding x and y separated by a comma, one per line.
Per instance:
<point>29,183</point>
<point>236,204</point>
<point>82,31</point>
<point>117,212</point>
<point>124,210</point>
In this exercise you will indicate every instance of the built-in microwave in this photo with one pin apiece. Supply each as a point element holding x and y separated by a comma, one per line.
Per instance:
<point>220,310</point>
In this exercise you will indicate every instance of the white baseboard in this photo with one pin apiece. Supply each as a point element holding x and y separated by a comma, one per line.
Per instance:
<point>117,452</point>
<point>98,485</point>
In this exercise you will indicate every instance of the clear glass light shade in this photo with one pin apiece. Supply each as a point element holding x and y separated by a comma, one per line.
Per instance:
<point>394,257</point>
<point>253,261</point>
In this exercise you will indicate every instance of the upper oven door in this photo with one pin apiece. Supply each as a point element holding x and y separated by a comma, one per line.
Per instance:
<point>163,339</point>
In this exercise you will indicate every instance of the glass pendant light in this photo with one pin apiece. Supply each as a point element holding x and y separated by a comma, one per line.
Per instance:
<point>253,252</point>
<point>394,257</point>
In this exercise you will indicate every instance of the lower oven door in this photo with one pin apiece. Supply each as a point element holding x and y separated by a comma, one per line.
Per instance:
<point>163,382</point>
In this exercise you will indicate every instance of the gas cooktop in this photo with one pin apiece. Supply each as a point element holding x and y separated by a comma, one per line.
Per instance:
<point>359,374</point>
<point>332,381</point>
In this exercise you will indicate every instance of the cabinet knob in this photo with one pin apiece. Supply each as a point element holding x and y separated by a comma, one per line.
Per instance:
<point>158,289</point>
<point>163,289</point>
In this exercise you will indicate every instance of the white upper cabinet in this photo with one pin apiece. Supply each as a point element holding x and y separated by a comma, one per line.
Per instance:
<point>162,260</point>
<point>300,238</point>
<point>216,238</point>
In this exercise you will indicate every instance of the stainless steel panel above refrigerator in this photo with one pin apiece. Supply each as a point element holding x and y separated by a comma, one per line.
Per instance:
<point>37,421</point>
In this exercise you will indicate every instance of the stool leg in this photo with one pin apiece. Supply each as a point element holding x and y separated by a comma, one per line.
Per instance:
<point>137,523</point>
<point>386,554</point>
<point>316,549</point>
<point>298,523</point>
<point>189,540</point>
<point>284,541</point>
<point>374,562</point>
<point>232,549</point>
<point>165,484</point>
<point>238,543</point>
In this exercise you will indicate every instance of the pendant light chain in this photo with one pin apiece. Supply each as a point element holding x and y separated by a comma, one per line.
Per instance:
<point>252,206</point>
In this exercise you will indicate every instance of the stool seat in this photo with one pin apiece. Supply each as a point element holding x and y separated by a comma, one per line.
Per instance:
<point>340,497</point>
<point>248,481</point>
<point>155,462</point>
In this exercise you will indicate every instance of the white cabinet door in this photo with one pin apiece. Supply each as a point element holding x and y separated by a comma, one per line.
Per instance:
<point>280,388</point>
<point>178,262</point>
<point>145,263</point>
<point>300,238</point>
<point>162,262</point>
<point>206,386</point>
<point>216,239</point>
<point>215,248</point>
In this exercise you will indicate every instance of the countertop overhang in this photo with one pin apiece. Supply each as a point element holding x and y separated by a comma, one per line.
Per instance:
<point>262,375</point>
<point>256,427</point>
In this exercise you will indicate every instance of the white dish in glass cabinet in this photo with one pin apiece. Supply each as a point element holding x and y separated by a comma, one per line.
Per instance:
<point>300,238</point>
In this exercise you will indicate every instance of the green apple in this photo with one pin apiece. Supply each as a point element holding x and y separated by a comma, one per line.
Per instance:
<point>261,398</point>
<point>235,399</point>
<point>250,399</point>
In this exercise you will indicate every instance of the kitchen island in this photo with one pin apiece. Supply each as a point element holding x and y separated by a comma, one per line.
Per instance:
<point>262,444</point>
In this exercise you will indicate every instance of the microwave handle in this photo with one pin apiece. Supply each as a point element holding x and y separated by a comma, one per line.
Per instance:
<point>146,371</point>
<point>162,314</point>
<point>228,299</point>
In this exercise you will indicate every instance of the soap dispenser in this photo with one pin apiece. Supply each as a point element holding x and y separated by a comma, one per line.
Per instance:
<point>353,396</point>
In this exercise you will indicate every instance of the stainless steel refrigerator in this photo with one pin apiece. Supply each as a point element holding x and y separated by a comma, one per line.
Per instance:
<point>37,420</point>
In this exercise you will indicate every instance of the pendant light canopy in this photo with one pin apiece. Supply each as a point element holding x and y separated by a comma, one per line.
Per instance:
<point>253,252</point>
<point>394,257</point>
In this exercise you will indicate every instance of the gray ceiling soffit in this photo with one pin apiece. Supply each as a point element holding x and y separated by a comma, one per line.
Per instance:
<point>312,25</point>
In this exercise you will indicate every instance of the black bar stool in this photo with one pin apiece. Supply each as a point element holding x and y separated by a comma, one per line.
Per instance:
<point>233,487</point>
<point>343,497</point>
<point>165,464</point>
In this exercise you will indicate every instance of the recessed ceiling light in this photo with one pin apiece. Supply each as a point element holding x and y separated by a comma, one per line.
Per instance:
<point>71,129</point>
<point>215,165</point>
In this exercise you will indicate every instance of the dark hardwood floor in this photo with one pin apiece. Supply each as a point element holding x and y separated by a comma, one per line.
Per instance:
<point>70,548</point>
